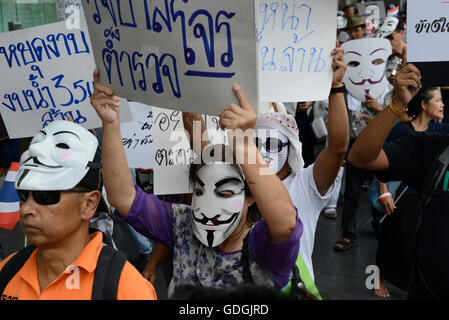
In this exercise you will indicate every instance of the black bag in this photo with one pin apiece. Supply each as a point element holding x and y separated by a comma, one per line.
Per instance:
<point>107,273</point>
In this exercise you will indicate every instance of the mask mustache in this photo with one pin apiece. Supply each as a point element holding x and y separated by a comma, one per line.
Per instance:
<point>36,163</point>
<point>361,83</point>
<point>215,222</point>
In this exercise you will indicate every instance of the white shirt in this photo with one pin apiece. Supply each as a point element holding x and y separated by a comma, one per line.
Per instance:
<point>309,203</point>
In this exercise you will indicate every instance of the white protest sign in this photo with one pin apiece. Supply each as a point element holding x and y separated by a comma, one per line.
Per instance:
<point>137,137</point>
<point>294,45</point>
<point>367,63</point>
<point>172,152</point>
<point>373,12</point>
<point>47,75</point>
<point>428,31</point>
<point>175,54</point>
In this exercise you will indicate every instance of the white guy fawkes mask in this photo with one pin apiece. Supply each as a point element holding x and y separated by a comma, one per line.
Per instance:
<point>387,27</point>
<point>217,203</point>
<point>268,141</point>
<point>57,158</point>
<point>367,63</point>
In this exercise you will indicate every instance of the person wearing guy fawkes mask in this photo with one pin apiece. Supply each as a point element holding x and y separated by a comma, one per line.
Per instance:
<point>59,185</point>
<point>215,241</point>
<point>393,30</point>
<point>310,189</point>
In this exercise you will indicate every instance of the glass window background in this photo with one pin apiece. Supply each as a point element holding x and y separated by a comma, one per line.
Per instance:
<point>26,13</point>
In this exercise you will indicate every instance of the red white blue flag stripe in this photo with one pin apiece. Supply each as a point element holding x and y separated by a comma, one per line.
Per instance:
<point>9,200</point>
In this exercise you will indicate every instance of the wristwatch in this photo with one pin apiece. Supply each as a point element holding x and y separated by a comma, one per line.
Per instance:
<point>338,89</point>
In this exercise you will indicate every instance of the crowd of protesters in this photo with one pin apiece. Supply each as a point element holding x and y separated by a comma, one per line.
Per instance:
<point>246,223</point>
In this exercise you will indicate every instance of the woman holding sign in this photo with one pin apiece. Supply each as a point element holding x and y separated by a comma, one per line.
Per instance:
<point>216,242</point>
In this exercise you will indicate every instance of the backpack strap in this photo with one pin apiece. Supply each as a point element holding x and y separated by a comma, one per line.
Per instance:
<point>13,266</point>
<point>107,274</point>
<point>301,284</point>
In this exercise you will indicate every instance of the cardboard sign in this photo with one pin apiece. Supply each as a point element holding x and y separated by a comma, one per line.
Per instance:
<point>47,75</point>
<point>175,54</point>
<point>172,152</point>
<point>294,44</point>
<point>428,40</point>
<point>367,62</point>
<point>137,137</point>
<point>373,12</point>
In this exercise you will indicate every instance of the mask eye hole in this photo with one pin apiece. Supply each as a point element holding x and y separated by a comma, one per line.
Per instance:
<point>198,192</point>
<point>378,61</point>
<point>62,146</point>
<point>225,193</point>
<point>353,64</point>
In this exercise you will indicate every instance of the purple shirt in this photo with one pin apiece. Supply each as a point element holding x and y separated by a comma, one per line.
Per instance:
<point>195,263</point>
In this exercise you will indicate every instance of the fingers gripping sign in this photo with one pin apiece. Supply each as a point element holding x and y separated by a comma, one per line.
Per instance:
<point>408,82</point>
<point>239,120</point>
<point>339,65</point>
<point>105,103</point>
<point>238,117</point>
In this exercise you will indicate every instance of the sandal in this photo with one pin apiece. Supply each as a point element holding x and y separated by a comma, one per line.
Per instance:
<point>330,213</point>
<point>345,244</point>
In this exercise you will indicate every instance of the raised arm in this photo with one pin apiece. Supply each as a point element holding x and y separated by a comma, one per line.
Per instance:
<point>272,198</point>
<point>116,174</point>
<point>330,159</point>
<point>367,152</point>
<point>194,124</point>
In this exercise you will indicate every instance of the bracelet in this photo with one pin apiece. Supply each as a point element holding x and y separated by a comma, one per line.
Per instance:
<point>395,110</point>
<point>341,88</point>
<point>384,196</point>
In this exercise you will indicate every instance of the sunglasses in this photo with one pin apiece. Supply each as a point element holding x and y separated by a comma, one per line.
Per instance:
<point>271,145</point>
<point>45,197</point>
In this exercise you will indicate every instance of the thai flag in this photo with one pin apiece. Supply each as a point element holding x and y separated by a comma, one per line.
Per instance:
<point>393,12</point>
<point>9,200</point>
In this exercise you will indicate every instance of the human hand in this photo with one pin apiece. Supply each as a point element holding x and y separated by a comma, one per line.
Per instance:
<point>149,272</point>
<point>408,82</point>
<point>339,65</point>
<point>238,117</point>
<point>105,103</point>
<point>372,103</point>
<point>388,205</point>
<point>365,117</point>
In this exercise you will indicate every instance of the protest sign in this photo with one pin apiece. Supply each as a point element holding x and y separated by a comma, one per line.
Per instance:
<point>172,152</point>
<point>47,76</point>
<point>175,54</point>
<point>294,44</point>
<point>373,12</point>
<point>428,40</point>
<point>367,63</point>
<point>137,137</point>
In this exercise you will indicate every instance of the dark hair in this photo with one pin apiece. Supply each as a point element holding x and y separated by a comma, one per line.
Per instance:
<point>225,153</point>
<point>400,27</point>
<point>424,94</point>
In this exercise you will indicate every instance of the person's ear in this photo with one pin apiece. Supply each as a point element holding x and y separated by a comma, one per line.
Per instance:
<point>250,201</point>
<point>90,203</point>
<point>423,105</point>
